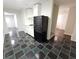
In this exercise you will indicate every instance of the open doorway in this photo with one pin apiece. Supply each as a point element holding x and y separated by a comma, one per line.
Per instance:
<point>61,22</point>
<point>11,23</point>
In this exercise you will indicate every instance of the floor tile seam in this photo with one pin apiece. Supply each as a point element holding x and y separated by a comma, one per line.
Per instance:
<point>66,50</point>
<point>33,51</point>
<point>47,54</point>
<point>25,43</point>
<point>14,53</point>
<point>60,50</point>
<point>21,49</point>
<point>70,51</point>
<point>23,53</point>
<point>46,48</point>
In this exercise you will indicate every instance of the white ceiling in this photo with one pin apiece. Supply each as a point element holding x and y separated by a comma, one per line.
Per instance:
<point>21,4</point>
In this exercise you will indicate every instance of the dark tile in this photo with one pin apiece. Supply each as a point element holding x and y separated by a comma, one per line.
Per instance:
<point>20,40</point>
<point>65,51</point>
<point>15,46</point>
<point>40,46</point>
<point>73,50</point>
<point>44,44</point>
<point>52,55</point>
<point>45,50</point>
<point>6,35</point>
<point>8,49</point>
<point>57,44</point>
<point>63,56</point>
<point>49,47</point>
<point>55,51</point>
<point>73,44</point>
<point>33,41</point>
<point>32,46</point>
<point>66,47</point>
<point>7,40</point>
<point>17,49</point>
<point>34,57</point>
<point>30,55</point>
<point>73,47</point>
<point>26,50</point>
<point>26,41</point>
<point>72,57</point>
<point>7,45</point>
<point>51,44</point>
<point>47,57</point>
<point>19,54</point>
<point>9,53</point>
<point>22,34</point>
<point>23,57</point>
<point>23,46</point>
<point>36,43</point>
<point>66,44</point>
<point>41,55</point>
<point>59,57</point>
<point>72,54</point>
<point>36,50</point>
<point>58,47</point>
<point>12,57</point>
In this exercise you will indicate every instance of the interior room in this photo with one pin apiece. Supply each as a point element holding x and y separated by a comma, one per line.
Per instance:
<point>39,29</point>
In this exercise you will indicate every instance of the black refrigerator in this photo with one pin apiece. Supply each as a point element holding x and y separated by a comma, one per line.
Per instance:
<point>40,28</point>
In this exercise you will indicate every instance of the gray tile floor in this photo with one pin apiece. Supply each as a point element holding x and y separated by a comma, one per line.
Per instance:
<point>28,48</point>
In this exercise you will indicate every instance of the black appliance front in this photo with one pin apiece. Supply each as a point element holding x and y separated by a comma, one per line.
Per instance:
<point>40,28</point>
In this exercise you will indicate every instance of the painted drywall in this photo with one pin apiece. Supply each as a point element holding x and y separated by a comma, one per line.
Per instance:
<point>20,21</point>
<point>5,28</point>
<point>27,16</point>
<point>71,21</point>
<point>37,9</point>
<point>54,18</point>
<point>73,36</point>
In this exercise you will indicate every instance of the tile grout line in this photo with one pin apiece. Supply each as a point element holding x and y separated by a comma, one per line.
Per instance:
<point>48,52</point>
<point>21,48</point>
<point>70,51</point>
<point>13,52</point>
<point>60,50</point>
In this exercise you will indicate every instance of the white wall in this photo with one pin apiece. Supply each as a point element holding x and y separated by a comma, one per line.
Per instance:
<point>28,15</point>
<point>71,21</point>
<point>73,36</point>
<point>37,9</point>
<point>20,21</point>
<point>5,28</point>
<point>54,19</point>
